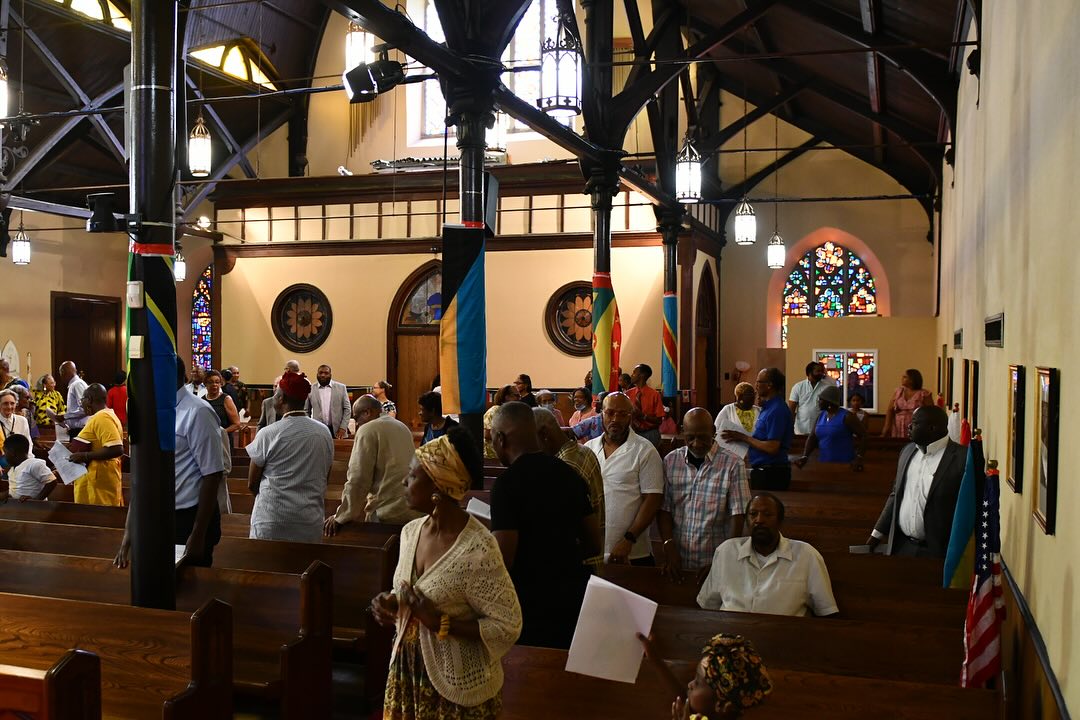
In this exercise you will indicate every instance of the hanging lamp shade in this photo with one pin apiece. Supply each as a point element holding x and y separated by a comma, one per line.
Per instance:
<point>179,268</point>
<point>745,224</point>
<point>199,150</point>
<point>688,174</point>
<point>560,72</point>
<point>358,44</point>
<point>776,253</point>
<point>20,248</point>
<point>496,137</point>
<point>3,88</point>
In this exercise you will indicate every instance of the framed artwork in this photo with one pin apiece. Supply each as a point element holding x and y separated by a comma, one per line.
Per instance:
<point>965,407</point>
<point>1045,477</point>
<point>1014,473</point>
<point>568,318</point>
<point>301,318</point>
<point>949,399</point>
<point>974,407</point>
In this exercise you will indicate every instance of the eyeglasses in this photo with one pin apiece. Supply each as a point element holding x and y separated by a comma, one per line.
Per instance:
<point>617,413</point>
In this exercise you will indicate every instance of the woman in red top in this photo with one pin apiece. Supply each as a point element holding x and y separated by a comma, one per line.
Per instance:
<point>116,398</point>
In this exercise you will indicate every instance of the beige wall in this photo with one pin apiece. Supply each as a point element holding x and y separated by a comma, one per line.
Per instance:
<point>901,343</point>
<point>1007,246</point>
<point>66,260</point>
<point>361,288</point>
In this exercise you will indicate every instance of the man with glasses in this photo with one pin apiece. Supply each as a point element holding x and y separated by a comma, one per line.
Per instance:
<point>704,488</point>
<point>770,468</point>
<point>633,484</point>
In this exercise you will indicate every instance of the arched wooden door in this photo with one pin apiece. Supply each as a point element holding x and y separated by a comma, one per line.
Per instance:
<point>412,339</point>
<point>706,380</point>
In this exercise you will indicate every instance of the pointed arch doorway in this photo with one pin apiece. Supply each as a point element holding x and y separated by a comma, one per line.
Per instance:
<point>412,340</point>
<point>706,385</point>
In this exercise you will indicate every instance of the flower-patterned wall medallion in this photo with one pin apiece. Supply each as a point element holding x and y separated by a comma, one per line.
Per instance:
<point>301,318</point>
<point>568,318</point>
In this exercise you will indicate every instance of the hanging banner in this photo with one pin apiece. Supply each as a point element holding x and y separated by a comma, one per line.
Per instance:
<point>463,329</point>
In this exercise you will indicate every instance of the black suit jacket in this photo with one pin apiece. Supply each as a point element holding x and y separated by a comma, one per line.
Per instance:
<point>940,501</point>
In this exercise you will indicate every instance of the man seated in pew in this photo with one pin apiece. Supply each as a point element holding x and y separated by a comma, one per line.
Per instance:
<point>767,572</point>
<point>730,679</point>
<point>290,464</point>
<point>453,605</point>
<point>545,525</point>
<point>705,489</point>
<point>378,465</point>
<point>99,446</point>
<point>199,471</point>
<point>29,478</point>
<point>918,515</point>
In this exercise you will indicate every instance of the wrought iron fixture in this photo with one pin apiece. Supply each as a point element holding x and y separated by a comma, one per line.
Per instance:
<point>199,148</point>
<point>560,70</point>
<point>688,173</point>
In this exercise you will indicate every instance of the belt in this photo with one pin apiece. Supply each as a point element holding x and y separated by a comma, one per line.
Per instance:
<point>913,541</point>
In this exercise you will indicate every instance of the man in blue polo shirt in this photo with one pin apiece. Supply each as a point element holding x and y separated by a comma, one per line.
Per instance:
<point>769,445</point>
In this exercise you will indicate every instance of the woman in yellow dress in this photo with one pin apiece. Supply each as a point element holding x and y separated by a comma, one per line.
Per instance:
<point>47,397</point>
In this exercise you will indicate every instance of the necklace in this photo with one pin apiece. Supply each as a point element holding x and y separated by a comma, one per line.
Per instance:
<point>294,413</point>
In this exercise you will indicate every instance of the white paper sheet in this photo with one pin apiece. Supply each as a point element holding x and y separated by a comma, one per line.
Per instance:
<point>478,508</point>
<point>180,552</point>
<point>739,449</point>
<point>68,471</point>
<point>605,641</point>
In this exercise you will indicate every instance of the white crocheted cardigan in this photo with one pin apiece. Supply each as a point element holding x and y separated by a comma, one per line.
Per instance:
<point>470,581</point>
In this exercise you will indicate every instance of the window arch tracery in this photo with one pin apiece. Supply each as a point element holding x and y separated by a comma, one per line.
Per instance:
<point>828,281</point>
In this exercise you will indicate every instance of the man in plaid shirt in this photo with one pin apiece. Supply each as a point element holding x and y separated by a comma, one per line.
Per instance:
<point>704,487</point>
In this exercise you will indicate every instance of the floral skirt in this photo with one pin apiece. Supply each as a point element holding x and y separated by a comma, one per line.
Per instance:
<point>411,696</point>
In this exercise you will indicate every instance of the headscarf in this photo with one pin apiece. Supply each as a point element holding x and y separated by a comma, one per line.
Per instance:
<point>442,462</point>
<point>295,386</point>
<point>734,670</point>
<point>743,386</point>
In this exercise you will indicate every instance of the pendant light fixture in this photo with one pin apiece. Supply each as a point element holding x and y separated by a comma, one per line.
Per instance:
<point>496,138</point>
<point>560,70</point>
<point>20,246</point>
<point>776,253</point>
<point>358,44</point>
<point>3,87</point>
<point>199,149</point>
<point>179,268</point>
<point>745,219</point>
<point>688,173</point>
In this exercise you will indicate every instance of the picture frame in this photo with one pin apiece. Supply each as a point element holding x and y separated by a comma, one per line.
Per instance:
<point>568,318</point>
<point>1014,472</point>
<point>965,407</point>
<point>974,407</point>
<point>1045,477</point>
<point>949,386</point>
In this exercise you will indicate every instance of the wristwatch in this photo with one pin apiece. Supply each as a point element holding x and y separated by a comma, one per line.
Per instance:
<point>630,536</point>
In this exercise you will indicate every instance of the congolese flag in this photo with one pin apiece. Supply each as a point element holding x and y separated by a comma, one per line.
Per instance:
<point>463,329</point>
<point>607,334</point>
<point>669,373</point>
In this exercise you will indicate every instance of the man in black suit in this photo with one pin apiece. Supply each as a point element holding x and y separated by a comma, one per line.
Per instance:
<point>917,517</point>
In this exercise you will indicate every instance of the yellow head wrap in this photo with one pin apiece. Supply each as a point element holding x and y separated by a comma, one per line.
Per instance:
<point>441,461</point>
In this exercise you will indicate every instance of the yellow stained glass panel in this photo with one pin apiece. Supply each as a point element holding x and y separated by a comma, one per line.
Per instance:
<point>89,8</point>
<point>210,56</point>
<point>235,64</point>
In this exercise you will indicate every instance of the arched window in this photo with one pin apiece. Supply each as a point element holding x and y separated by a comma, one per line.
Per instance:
<point>424,305</point>
<point>828,281</point>
<point>202,323</point>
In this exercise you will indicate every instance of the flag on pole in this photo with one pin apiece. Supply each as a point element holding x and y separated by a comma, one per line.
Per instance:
<point>986,608</point>
<point>960,555</point>
<point>670,373</point>
<point>463,329</point>
<point>607,335</point>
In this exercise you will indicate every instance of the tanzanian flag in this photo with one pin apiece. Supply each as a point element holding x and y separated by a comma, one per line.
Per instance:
<point>960,556</point>
<point>607,334</point>
<point>463,329</point>
<point>670,361</point>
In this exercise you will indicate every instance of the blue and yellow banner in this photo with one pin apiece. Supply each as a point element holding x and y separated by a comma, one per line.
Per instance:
<point>607,335</point>
<point>463,329</point>
<point>670,361</point>
<point>960,556</point>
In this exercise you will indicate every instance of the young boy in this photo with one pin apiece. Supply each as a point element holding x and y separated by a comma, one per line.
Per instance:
<point>28,478</point>
<point>855,404</point>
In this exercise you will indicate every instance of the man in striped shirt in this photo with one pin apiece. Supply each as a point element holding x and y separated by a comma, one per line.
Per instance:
<point>704,488</point>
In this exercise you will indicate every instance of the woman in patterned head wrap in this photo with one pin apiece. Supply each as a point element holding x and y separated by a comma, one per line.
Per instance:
<point>730,678</point>
<point>453,604</point>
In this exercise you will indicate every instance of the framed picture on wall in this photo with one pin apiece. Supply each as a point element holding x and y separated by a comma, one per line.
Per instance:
<point>965,407</point>
<point>1014,473</point>
<point>1047,412</point>
<point>974,408</point>
<point>949,399</point>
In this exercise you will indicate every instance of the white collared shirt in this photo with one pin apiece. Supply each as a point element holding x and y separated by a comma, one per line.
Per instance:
<point>806,395</point>
<point>199,391</point>
<point>324,401</point>
<point>917,481</point>
<point>631,472</point>
<point>791,581</point>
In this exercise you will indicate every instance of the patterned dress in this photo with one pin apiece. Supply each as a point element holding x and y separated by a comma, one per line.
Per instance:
<point>43,401</point>
<point>903,409</point>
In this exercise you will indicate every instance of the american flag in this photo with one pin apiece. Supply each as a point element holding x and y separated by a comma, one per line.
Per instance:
<point>986,609</point>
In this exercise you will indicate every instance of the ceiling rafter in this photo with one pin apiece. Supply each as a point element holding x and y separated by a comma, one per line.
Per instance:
<point>717,139</point>
<point>869,14</point>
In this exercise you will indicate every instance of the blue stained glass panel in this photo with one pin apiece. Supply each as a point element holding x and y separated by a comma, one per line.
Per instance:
<point>202,322</point>
<point>833,280</point>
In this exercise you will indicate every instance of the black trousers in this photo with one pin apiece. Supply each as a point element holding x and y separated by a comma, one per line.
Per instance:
<point>770,477</point>
<point>185,522</point>
<point>647,561</point>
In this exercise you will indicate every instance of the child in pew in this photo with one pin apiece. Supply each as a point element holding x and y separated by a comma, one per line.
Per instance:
<point>28,478</point>
<point>730,678</point>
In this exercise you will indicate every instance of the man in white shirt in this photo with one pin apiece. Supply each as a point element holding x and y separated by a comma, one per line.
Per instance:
<point>329,402</point>
<point>29,478</point>
<point>767,572</point>
<point>633,484</point>
<point>803,400</point>
<point>74,420</point>
<point>196,387</point>
<point>917,517</point>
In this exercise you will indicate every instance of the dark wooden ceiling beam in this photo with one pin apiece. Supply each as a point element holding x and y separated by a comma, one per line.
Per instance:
<point>766,45</point>
<point>869,13</point>
<point>663,110</point>
<point>717,140</point>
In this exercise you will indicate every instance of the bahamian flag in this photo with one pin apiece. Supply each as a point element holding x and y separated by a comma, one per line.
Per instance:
<point>463,329</point>
<point>607,334</point>
<point>669,374</point>
<point>960,556</point>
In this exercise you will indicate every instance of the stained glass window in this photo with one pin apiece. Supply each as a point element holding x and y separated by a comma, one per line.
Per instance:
<point>829,281</point>
<point>853,371</point>
<point>202,323</point>
<point>425,302</point>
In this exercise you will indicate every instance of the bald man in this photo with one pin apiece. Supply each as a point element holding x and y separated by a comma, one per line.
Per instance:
<point>375,483</point>
<point>543,520</point>
<point>633,484</point>
<point>705,489</point>
<point>75,418</point>
<point>99,446</point>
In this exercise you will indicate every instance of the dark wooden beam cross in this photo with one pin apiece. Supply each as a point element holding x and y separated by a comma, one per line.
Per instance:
<point>869,13</point>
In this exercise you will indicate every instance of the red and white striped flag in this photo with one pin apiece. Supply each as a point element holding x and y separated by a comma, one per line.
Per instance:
<point>986,608</point>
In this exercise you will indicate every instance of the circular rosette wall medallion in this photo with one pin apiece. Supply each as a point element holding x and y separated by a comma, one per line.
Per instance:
<point>568,318</point>
<point>301,318</point>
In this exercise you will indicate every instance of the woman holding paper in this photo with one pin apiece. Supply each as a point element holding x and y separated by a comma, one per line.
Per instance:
<point>453,605</point>
<point>742,412</point>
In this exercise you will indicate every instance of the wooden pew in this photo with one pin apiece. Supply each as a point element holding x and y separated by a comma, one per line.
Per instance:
<point>69,690</point>
<point>154,663</point>
<point>282,634</point>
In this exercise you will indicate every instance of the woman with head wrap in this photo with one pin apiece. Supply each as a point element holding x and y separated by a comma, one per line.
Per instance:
<point>730,678</point>
<point>290,462</point>
<point>742,412</point>
<point>453,604</point>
